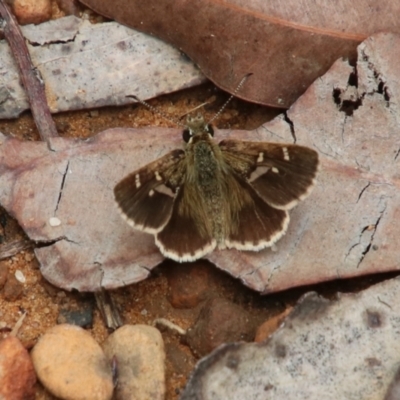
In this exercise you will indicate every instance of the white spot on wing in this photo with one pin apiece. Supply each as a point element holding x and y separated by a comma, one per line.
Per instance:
<point>260,158</point>
<point>165,190</point>
<point>257,173</point>
<point>151,193</point>
<point>158,176</point>
<point>137,181</point>
<point>286,156</point>
<point>275,170</point>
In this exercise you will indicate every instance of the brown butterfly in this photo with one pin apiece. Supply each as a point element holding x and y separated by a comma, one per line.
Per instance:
<point>232,194</point>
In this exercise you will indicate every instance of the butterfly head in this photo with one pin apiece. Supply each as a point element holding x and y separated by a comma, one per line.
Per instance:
<point>197,129</point>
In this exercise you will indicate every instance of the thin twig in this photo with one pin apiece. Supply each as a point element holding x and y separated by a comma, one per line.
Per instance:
<point>30,76</point>
<point>14,247</point>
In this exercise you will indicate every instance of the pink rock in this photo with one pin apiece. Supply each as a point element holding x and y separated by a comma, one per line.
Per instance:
<point>32,11</point>
<point>17,376</point>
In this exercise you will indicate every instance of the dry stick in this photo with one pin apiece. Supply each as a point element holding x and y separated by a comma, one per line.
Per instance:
<point>30,76</point>
<point>14,247</point>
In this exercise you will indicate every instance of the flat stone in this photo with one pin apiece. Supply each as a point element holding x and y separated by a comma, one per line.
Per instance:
<point>140,360</point>
<point>17,376</point>
<point>71,364</point>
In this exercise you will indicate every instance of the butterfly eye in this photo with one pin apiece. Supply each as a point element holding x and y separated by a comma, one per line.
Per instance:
<point>186,136</point>
<point>210,129</point>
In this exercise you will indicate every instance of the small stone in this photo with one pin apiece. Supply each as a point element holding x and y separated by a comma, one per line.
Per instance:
<point>13,288</point>
<point>32,11</point>
<point>19,276</point>
<point>140,360</point>
<point>29,257</point>
<point>182,362</point>
<point>71,364</point>
<point>3,273</point>
<point>189,284</point>
<point>17,376</point>
<point>70,7</point>
<point>82,317</point>
<point>54,221</point>
<point>270,326</point>
<point>220,321</point>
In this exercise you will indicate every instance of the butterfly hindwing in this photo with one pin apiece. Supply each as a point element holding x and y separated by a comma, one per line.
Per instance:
<point>146,196</point>
<point>182,238</point>
<point>283,174</point>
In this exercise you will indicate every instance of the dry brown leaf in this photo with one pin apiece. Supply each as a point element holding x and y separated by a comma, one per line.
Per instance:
<point>347,227</point>
<point>286,45</point>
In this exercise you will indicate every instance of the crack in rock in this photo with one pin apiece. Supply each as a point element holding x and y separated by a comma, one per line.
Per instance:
<point>373,231</point>
<point>62,187</point>
<point>291,126</point>
<point>47,243</point>
<point>363,190</point>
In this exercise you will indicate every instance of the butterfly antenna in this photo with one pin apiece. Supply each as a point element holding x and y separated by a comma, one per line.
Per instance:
<point>194,109</point>
<point>157,111</point>
<point>230,98</point>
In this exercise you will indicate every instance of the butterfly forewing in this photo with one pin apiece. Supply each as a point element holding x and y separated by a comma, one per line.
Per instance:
<point>283,174</point>
<point>257,225</point>
<point>146,196</point>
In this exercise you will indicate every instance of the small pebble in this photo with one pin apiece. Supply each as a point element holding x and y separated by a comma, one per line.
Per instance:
<point>17,376</point>
<point>19,275</point>
<point>29,257</point>
<point>190,284</point>
<point>70,7</point>
<point>71,364</point>
<point>13,288</point>
<point>220,321</point>
<point>182,362</point>
<point>140,362</point>
<point>54,221</point>
<point>32,11</point>
<point>82,317</point>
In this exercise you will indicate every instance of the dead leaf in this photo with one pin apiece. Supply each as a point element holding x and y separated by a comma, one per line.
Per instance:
<point>344,349</point>
<point>87,66</point>
<point>347,227</point>
<point>285,45</point>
